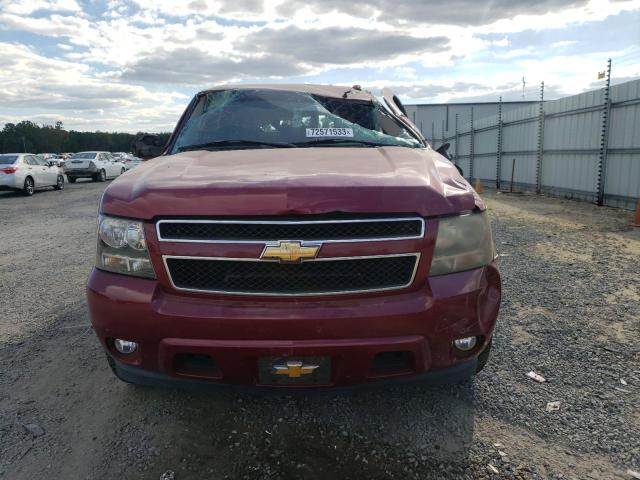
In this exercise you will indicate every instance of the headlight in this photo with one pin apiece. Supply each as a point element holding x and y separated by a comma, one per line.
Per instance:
<point>122,247</point>
<point>464,242</point>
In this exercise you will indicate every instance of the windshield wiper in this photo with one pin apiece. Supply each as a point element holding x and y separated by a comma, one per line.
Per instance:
<point>345,141</point>
<point>234,143</point>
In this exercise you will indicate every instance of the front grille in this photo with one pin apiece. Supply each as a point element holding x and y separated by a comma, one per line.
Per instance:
<point>314,277</point>
<point>267,230</point>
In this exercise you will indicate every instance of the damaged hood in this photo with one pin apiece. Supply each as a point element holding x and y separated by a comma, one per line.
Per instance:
<point>291,181</point>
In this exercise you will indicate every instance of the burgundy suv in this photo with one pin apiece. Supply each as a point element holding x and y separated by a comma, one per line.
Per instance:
<point>294,236</point>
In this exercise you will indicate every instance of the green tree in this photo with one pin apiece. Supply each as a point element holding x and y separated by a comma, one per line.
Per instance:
<point>27,136</point>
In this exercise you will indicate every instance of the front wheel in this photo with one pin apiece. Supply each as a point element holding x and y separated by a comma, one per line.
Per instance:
<point>122,171</point>
<point>59,183</point>
<point>29,187</point>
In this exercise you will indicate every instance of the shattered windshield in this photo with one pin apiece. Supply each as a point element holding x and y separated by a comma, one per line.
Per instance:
<point>271,118</point>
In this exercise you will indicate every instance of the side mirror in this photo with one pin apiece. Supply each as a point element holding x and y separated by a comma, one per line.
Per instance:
<point>148,146</point>
<point>444,150</point>
<point>399,104</point>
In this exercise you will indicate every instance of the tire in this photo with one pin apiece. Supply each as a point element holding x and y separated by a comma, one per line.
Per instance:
<point>122,171</point>
<point>71,179</point>
<point>101,176</point>
<point>59,183</point>
<point>483,358</point>
<point>29,186</point>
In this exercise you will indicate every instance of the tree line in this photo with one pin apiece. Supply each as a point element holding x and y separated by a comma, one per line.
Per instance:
<point>27,136</point>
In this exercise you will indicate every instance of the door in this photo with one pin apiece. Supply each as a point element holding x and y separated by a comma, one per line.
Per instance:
<point>34,169</point>
<point>395,105</point>
<point>103,164</point>
<point>49,174</point>
<point>119,164</point>
<point>114,164</point>
<point>109,166</point>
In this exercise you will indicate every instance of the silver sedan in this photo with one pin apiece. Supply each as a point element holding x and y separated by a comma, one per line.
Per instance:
<point>28,172</point>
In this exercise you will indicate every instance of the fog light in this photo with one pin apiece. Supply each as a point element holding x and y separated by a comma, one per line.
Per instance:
<point>465,344</point>
<point>125,346</point>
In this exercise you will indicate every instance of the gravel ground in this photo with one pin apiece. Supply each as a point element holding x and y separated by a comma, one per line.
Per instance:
<point>571,313</point>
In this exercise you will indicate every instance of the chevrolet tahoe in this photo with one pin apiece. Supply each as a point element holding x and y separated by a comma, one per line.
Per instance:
<point>294,236</point>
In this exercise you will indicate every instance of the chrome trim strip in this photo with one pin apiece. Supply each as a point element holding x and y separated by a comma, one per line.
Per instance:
<point>286,222</point>
<point>271,294</point>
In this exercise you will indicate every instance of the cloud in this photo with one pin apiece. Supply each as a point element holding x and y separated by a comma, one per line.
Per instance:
<point>340,45</point>
<point>453,12</point>
<point>415,91</point>
<point>63,89</point>
<point>51,26</point>
<point>237,9</point>
<point>276,53</point>
<point>563,43</point>
<point>124,64</point>
<point>192,66</point>
<point>27,7</point>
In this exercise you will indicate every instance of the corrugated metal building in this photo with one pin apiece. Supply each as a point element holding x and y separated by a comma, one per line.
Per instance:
<point>585,146</point>
<point>437,120</point>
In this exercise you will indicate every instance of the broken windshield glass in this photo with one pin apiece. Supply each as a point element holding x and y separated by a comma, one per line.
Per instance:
<point>280,117</point>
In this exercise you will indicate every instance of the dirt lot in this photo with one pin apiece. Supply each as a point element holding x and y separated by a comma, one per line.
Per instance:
<point>571,312</point>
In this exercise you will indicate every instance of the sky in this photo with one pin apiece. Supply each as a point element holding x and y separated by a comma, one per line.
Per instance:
<point>133,65</point>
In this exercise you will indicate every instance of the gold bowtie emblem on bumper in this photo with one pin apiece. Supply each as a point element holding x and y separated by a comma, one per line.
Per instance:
<point>294,369</point>
<point>290,252</point>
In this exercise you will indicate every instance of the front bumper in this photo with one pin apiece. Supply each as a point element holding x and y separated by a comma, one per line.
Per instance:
<point>236,332</point>
<point>437,376</point>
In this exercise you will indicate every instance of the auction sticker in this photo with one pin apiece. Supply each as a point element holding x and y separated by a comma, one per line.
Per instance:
<point>329,132</point>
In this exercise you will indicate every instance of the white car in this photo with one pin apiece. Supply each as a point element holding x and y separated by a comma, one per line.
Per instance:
<point>128,159</point>
<point>98,166</point>
<point>58,160</point>
<point>28,172</point>
<point>133,163</point>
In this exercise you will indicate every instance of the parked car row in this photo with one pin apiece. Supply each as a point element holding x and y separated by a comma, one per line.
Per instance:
<point>28,172</point>
<point>99,166</point>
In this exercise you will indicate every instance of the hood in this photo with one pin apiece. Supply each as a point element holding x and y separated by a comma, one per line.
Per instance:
<point>291,181</point>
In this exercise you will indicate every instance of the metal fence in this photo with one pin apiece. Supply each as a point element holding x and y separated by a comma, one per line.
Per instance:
<point>585,146</point>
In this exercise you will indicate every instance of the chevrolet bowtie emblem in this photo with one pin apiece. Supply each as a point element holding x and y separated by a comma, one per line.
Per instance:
<point>289,252</point>
<point>294,369</point>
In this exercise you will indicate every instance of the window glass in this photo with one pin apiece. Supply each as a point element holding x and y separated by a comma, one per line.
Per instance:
<point>83,156</point>
<point>40,161</point>
<point>287,117</point>
<point>8,159</point>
